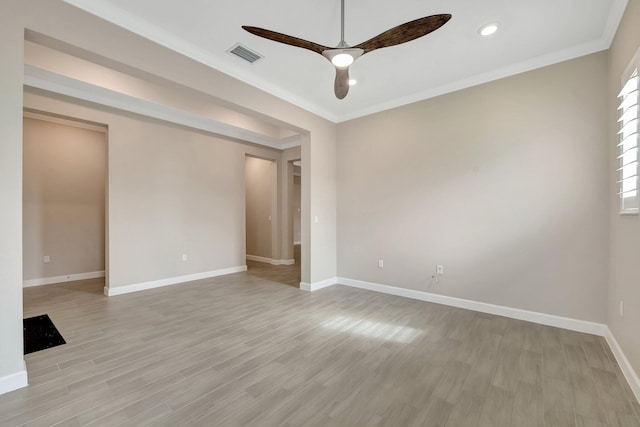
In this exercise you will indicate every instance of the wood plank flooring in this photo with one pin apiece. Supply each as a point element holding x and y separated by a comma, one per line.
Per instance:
<point>248,350</point>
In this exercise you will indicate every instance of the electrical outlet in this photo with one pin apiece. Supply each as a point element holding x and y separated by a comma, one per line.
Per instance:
<point>184,257</point>
<point>621,308</point>
<point>380,263</point>
<point>440,269</point>
<point>46,258</point>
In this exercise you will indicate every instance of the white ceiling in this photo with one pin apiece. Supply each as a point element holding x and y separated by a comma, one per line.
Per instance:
<point>533,33</point>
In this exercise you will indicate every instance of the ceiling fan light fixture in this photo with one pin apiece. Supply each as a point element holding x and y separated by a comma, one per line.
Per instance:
<point>342,60</point>
<point>353,82</point>
<point>488,29</point>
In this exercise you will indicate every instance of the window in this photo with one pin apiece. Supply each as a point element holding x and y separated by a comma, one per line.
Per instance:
<point>628,141</point>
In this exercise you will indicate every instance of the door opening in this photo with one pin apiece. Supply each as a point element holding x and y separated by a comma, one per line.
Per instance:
<point>64,202</point>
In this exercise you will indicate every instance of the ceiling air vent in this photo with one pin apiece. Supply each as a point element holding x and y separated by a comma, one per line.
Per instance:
<point>245,53</point>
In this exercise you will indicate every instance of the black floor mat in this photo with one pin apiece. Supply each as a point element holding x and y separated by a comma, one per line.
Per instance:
<point>40,333</point>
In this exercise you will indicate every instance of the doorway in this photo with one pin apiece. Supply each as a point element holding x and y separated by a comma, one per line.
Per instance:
<point>64,201</point>
<point>269,220</point>
<point>260,194</point>
<point>296,210</point>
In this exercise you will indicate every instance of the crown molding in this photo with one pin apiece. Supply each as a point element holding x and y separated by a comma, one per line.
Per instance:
<point>147,30</point>
<point>500,73</point>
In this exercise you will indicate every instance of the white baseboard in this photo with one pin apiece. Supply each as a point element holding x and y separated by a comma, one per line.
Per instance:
<point>310,287</point>
<point>514,313</point>
<point>271,261</point>
<point>62,279</point>
<point>259,259</point>
<point>625,366</point>
<point>14,381</point>
<point>119,290</point>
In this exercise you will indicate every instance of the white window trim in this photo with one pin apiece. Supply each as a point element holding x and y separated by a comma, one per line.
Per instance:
<point>634,66</point>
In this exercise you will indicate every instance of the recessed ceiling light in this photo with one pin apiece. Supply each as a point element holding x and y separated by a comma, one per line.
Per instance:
<point>488,29</point>
<point>353,82</point>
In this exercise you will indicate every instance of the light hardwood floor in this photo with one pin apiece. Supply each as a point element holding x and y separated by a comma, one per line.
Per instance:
<point>246,350</point>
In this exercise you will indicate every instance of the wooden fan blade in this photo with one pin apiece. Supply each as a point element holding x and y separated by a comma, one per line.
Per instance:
<point>405,32</point>
<point>341,85</point>
<point>283,38</point>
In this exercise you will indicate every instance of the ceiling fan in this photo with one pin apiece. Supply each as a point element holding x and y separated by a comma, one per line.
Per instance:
<point>343,55</point>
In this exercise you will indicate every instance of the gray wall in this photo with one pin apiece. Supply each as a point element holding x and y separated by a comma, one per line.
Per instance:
<point>64,199</point>
<point>624,278</point>
<point>259,176</point>
<point>504,184</point>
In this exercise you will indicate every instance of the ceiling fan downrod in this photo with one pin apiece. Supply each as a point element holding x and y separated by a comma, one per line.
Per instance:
<point>343,55</point>
<point>342,42</point>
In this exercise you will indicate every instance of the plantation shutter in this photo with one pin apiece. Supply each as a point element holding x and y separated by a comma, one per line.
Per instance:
<point>629,145</point>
